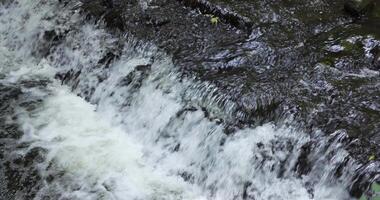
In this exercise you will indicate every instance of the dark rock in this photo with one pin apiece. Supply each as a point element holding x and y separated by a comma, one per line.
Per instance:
<point>135,78</point>
<point>376,58</point>
<point>339,170</point>
<point>19,177</point>
<point>246,190</point>
<point>95,8</point>
<point>143,68</point>
<point>5,2</point>
<point>303,164</point>
<point>229,129</point>
<point>226,15</point>
<point>51,39</point>
<point>188,177</point>
<point>176,148</point>
<point>107,59</point>
<point>134,81</point>
<point>54,36</point>
<point>35,83</point>
<point>158,22</point>
<point>114,20</point>
<point>109,11</point>
<point>376,62</point>
<point>357,8</point>
<point>186,110</point>
<point>36,154</point>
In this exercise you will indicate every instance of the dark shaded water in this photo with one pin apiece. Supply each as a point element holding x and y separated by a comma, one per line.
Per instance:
<point>151,100</point>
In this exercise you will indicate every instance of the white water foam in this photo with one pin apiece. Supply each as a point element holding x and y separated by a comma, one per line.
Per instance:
<point>95,155</point>
<point>144,143</point>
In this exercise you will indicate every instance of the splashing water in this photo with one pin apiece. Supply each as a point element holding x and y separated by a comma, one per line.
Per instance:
<point>131,128</point>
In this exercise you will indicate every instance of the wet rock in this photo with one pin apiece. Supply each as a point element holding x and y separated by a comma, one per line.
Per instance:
<point>188,177</point>
<point>358,7</point>
<point>10,131</point>
<point>186,110</point>
<point>19,177</point>
<point>335,48</point>
<point>96,8</point>
<point>23,180</point>
<point>266,74</point>
<point>225,14</point>
<point>367,174</point>
<point>114,20</point>
<point>246,191</point>
<point>303,165</point>
<point>340,168</point>
<point>5,2</point>
<point>8,101</point>
<point>177,147</point>
<point>376,60</point>
<point>108,11</point>
<point>230,129</point>
<point>51,39</point>
<point>35,83</point>
<point>52,35</point>
<point>36,154</point>
<point>107,59</point>
<point>157,22</point>
<point>69,76</point>
<point>134,80</point>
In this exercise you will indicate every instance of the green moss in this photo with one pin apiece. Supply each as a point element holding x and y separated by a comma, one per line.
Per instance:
<point>349,83</point>
<point>350,47</point>
<point>376,12</point>
<point>328,61</point>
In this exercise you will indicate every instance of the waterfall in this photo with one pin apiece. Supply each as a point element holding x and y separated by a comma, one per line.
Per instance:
<point>112,118</point>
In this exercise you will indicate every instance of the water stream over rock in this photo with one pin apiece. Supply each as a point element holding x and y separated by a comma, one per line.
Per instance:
<point>94,108</point>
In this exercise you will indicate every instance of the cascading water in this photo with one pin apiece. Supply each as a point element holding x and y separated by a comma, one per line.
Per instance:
<point>131,128</point>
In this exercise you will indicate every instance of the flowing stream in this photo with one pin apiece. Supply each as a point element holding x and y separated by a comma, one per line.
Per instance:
<point>133,128</point>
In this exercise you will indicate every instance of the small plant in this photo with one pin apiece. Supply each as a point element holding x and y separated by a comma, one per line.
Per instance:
<point>213,19</point>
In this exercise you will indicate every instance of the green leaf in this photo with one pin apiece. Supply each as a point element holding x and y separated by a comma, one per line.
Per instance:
<point>363,198</point>
<point>214,20</point>
<point>375,187</point>
<point>371,158</point>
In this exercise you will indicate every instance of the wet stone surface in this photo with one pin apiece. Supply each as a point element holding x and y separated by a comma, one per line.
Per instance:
<point>19,177</point>
<point>314,59</point>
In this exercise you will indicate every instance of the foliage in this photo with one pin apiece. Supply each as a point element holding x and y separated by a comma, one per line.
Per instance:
<point>375,193</point>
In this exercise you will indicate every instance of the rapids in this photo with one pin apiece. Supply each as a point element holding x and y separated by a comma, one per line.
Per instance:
<point>132,127</point>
